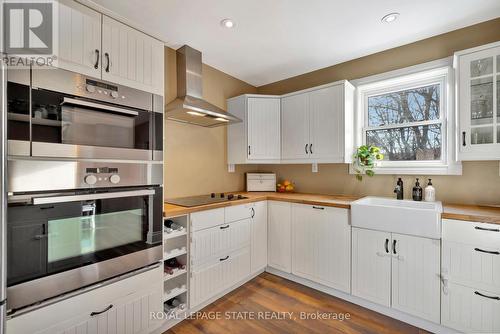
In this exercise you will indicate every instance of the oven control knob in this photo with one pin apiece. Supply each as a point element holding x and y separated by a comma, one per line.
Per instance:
<point>115,178</point>
<point>90,89</point>
<point>114,94</point>
<point>90,179</point>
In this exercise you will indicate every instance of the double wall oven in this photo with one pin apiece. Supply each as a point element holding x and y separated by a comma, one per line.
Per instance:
<point>85,175</point>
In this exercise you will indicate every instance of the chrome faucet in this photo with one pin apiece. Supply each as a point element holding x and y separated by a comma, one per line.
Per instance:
<point>399,189</point>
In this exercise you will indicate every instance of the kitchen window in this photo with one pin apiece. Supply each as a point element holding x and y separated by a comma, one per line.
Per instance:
<point>408,115</point>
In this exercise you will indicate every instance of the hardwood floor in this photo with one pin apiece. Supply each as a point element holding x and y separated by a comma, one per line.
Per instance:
<point>273,294</point>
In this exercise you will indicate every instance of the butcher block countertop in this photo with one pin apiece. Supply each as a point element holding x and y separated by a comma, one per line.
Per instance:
<point>475,213</point>
<point>339,201</point>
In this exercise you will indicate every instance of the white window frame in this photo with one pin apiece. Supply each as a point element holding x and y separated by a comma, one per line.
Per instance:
<point>436,72</point>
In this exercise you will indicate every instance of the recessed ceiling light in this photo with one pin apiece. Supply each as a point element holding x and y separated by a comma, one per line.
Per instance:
<point>227,23</point>
<point>195,113</point>
<point>390,17</point>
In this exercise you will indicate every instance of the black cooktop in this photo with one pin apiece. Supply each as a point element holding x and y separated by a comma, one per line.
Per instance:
<point>204,199</point>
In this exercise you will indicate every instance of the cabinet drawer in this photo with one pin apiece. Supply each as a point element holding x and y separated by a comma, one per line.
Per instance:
<point>471,233</point>
<point>206,219</point>
<point>75,311</point>
<point>217,242</point>
<point>472,266</point>
<point>218,275</point>
<point>465,310</point>
<point>238,212</point>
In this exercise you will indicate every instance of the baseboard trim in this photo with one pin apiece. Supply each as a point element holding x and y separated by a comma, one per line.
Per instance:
<point>418,322</point>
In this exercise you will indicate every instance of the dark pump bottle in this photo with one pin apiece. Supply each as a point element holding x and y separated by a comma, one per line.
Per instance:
<point>399,189</point>
<point>417,191</point>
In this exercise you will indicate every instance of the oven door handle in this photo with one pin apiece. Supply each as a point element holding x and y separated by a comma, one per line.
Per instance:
<point>90,197</point>
<point>104,107</point>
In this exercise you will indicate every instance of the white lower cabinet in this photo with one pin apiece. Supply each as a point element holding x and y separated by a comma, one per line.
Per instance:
<point>470,310</point>
<point>371,265</point>
<point>321,245</point>
<point>398,271</point>
<point>470,298</point>
<point>416,278</point>
<point>279,251</point>
<point>259,237</point>
<point>211,278</point>
<point>122,307</point>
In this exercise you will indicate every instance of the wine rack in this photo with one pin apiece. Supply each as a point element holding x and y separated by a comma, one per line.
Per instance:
<point>175,253</point>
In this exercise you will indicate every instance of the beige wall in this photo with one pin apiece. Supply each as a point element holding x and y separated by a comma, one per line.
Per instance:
<point>480,182</point>
<point>195,157</point>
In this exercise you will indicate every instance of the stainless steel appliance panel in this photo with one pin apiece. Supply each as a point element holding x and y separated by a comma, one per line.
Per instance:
<point>42,289</point>
<point>53,150</point>
<point>29,175</point>
<point>71,83</point>
<point>3,193</point>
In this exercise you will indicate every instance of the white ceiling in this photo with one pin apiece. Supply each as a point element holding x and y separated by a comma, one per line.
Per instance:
<point>278,39</point>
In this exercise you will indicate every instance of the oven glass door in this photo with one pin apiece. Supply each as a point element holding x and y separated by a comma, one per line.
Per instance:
<point>61,119</point>
<point>49,238</point>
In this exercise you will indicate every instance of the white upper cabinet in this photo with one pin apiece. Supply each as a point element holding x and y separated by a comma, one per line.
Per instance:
<point>295,127</point>
<point>131,58</point>
<point>257,138</point>
<point>317,124</point>
<point>79,48</point>
<point>478,97</point>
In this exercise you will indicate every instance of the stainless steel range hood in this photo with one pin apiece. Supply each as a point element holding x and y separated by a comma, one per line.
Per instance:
<point>189,106</point>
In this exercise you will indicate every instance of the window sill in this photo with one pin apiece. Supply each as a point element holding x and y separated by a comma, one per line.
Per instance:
<point>453,169</point>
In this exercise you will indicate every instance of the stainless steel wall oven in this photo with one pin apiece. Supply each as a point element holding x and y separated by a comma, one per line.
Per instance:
<point>85,175</point>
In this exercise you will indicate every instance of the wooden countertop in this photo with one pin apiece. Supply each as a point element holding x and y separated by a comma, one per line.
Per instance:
<point>476,213</point>
<point>338,201</point>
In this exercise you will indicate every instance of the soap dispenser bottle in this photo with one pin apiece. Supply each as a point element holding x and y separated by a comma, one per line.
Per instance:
<point>417,191</point>
<point>430,192</point>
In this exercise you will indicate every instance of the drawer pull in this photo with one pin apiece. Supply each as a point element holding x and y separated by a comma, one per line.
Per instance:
<point>387,246</point>
<point>485,296</point>
<point>103,311</point>
<point>224,258</point>
<point>318,208</point>
<point>485,251</point>
<point>487,229</point>
<point>224,227</point>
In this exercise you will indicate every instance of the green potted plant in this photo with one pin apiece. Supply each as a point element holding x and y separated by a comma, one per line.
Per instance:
<point>364,160</point>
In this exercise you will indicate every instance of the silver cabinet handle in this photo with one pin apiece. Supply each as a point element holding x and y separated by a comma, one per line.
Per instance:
<point>103,311</point>
<point>102,107</point>
<point>89,197</point>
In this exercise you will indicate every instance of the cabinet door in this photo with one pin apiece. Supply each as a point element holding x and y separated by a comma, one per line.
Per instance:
<point>416,276</point>
<point>295,127</point>
<point>236,268</point>
<point>371,265</point>
<point>264,128</point>
<point>279,236</point>
<point>479,105</point>
<point>79,39</point>
<point>326,121</point>
<point>470,310</point>
<point>321,245</point>
<point>259,237</point>
<point>205,283</point>
<point>27,239</point>
<point>131,58</point>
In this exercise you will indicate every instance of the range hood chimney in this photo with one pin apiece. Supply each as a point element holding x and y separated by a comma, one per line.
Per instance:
<point>189,106</point>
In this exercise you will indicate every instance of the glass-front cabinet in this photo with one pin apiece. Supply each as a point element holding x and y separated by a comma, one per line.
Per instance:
<point>478,80</point>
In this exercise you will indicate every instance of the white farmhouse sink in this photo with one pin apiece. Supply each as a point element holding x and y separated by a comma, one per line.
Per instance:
<point>421,219</point>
